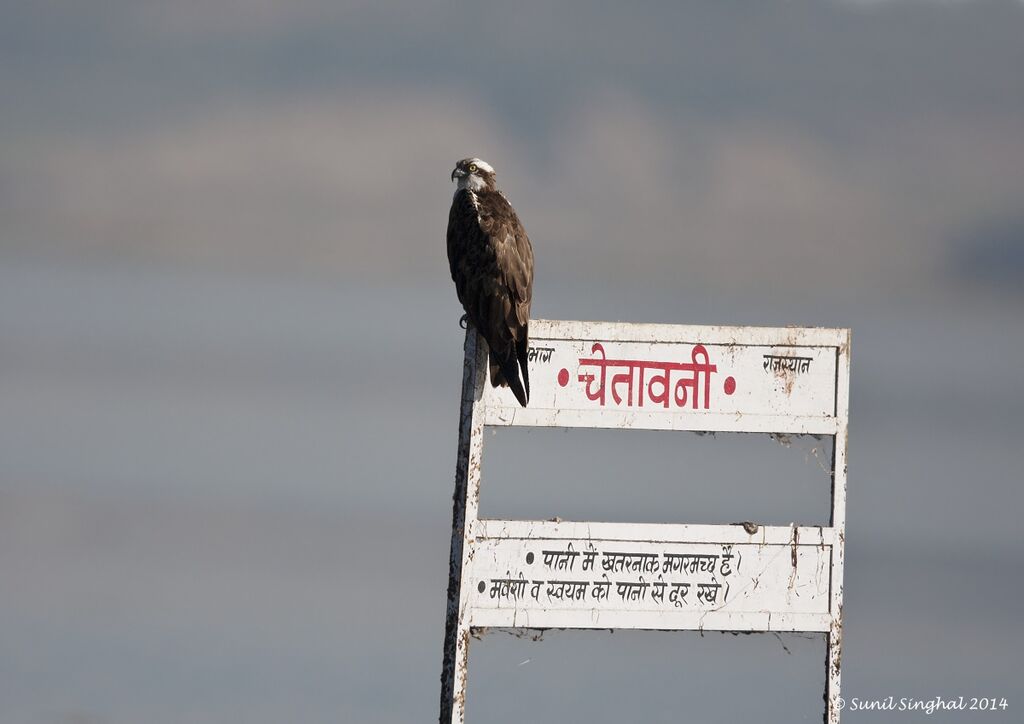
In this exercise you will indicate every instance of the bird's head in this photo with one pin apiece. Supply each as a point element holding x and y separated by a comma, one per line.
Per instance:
<point>474,174</point>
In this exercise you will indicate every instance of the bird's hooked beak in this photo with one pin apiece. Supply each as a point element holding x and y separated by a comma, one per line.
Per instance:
<point>458,173</point>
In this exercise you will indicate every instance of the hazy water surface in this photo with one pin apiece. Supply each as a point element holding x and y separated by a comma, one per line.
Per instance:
<point>228,497</point>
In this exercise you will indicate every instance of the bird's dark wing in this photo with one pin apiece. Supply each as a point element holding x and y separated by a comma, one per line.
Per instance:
<point>514,258</point>
<point>491,262</point>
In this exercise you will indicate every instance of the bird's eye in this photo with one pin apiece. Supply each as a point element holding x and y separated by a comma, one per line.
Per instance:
<point>472,168</point>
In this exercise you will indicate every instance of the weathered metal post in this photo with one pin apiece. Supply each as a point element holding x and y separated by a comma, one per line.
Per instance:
<point>837,521</point>
<point>588,575</point>
<point>464,509</point>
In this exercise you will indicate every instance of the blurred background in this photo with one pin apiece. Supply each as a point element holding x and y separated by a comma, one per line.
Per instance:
<point>230,361</point>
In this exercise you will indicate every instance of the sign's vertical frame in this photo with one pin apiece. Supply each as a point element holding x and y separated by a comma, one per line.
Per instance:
<point>465,510</point>
<point>838,523</point>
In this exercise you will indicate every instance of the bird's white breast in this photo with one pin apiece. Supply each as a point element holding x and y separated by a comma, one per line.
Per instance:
<point>471,182</point>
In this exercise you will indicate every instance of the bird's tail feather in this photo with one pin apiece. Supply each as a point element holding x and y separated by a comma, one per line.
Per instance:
<point>506,372</point>
<point>522,352</point>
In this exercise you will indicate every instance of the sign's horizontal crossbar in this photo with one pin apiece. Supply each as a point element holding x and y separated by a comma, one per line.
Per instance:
<point>490,528</point>
<point>650,620</point>
<point>655,377</point>
<point>593,575</point>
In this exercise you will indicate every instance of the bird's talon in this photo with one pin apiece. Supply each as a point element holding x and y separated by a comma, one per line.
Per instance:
<point>464,321</point>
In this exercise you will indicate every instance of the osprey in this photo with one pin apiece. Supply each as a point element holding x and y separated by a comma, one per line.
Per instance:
<point>491,261</point>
